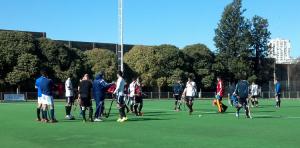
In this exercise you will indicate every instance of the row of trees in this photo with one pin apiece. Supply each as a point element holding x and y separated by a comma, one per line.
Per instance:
<point>241,51</point>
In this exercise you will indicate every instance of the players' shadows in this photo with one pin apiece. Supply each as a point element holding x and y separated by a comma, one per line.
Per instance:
<point>264,111</point>
<point>267,117</point>
<point>157,113</point>
<point>147,119</point>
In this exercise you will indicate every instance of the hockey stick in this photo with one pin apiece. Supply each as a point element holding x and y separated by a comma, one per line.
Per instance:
<point>112,101</point>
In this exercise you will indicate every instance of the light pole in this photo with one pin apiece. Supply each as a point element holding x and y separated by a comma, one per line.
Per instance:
<point>120,45</point>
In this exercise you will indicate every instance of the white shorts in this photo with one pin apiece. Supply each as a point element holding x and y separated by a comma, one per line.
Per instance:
<point>40,100</point>
<point>47,100</point>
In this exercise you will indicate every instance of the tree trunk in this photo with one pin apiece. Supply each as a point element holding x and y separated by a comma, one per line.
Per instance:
<point>159,89</point>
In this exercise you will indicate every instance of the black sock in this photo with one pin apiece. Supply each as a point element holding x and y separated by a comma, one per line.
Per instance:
<point>69,110</point>
<point>279,103</point>
<point>52,114</point>
<point>140,107</point>
<point>120,112</point>
<point>131,107</point>
<point>123,111</point>
<point>66,108</point>
<point>83,114</point>
<point>38,110</point>
<point>135,109</point>
<point>127,109</point>
<point>91,113</point>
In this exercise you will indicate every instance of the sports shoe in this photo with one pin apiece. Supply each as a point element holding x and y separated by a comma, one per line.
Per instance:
<point>119,120</point>
<point>68,117</point>
<point>38,119</point>
<point>98,120</point>
<point>123,119</point>
<point>45,120</point>
<point>237,114</point>
<point>53,121</point>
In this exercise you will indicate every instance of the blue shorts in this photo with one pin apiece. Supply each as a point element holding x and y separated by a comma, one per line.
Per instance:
<point>234,100</point>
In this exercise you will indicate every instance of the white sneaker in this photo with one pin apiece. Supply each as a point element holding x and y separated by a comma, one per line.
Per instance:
<point>98,120</point>
<point>237,114</point>
<point>68,117</point>
<point>124,119</point>
<point>119,120</point>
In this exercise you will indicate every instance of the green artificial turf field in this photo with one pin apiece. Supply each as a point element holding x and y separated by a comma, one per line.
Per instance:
<point>160,127</point>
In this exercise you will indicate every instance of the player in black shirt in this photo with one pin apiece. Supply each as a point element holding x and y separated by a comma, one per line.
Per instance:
<point>85,89</point>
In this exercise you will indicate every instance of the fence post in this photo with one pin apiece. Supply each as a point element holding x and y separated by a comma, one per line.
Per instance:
<point>0,96</point>
<point>168,95</point>
<point>151,95</point>
<point>297,94</point>
<point>289,94</point>
<point>269,94</point>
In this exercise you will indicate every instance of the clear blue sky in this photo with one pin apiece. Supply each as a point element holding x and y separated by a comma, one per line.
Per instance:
<point>149,22</point>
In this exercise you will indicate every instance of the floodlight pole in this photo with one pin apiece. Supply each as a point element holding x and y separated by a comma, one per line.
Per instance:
<point>120,46</point>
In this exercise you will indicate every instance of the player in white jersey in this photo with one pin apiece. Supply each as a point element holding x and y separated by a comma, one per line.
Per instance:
<point>119,92</point>
<point>69,98</point>
<point>254,94</point>
<point>189,93</point>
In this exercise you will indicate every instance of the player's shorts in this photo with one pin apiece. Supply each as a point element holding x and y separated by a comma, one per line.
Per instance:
<point>138,99</point>
<point>70,100</point>
<point>219,97</point>
<point>254,96</point>
<point>40,100</point>
<point>47,100</point>
<point>120,100</point>
<point>243,101</point>
<point>85,102</point>
<point>189,98</point>
<point>177,97</point>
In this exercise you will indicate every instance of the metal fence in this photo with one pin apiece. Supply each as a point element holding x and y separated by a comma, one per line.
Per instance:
<point>169,95</point>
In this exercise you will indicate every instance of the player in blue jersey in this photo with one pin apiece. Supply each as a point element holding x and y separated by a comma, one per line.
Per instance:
<point>177,91</point>
<point>39,103</point>
<point>277,93</point>
<point>46,86</point>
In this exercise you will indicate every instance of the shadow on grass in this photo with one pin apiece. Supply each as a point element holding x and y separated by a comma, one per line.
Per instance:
<point>157,113</point>
<point>266,117</point>
<point>147,119</point>
<point>264,111</point>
